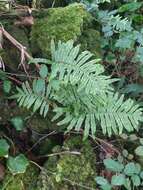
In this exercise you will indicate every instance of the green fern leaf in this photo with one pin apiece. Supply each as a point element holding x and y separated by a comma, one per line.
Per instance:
<point>78,69</point>
<point>28,98</point>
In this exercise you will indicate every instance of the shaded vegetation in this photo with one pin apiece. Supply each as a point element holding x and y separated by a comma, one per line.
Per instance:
<point>71,84</point>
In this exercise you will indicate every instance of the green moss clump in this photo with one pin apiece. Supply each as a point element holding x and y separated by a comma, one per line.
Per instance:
<point>25,181</point>
<point>91,41</point>
<point>59,24</point>
<point>71,169</point>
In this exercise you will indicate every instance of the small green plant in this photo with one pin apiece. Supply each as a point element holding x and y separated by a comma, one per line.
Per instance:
<point>80,94</point>
<point>124,175</point>
<point>17,164</point>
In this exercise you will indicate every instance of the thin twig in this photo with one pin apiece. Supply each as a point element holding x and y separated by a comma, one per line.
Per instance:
<point>15,80</point>
<point>41,139</point>
<point>60,153</point>
<point>19,46</point>
<point>100,141</point>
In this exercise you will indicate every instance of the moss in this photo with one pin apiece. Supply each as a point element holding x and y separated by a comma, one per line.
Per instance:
<point>59,24</point>
<point>91,40</point>
<point>26,181</point>
<point>41,125</point>
<point>78,169</point>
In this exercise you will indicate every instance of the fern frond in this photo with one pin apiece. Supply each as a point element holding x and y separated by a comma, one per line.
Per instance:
<point>113,23</point>
<point>28,98</point>
<point>120,24</point>
<point>77,68</point>
<point>117,115</point>
<point>81,93</point>
<point>114,116</point>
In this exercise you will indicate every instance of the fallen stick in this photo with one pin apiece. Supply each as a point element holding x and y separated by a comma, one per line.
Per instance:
<point>19,46</point>
<point>15,43</point>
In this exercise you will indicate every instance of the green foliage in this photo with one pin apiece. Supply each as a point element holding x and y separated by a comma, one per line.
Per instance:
<point>113,23</point>
<point>79,169</point>
<point>43,71</point>
<point>139,54</point>
<point>17,164</point>
<point>80,94</point>
<point>131,7</point>
<point>139,149</point>
<point>118,180</point>
<point>28,97</point>
<point>113,165</point>
<point>126,175</point>
<point>6,82</point>
<point>18,123</point>
<point>4,148</point>
<point>25,180</point>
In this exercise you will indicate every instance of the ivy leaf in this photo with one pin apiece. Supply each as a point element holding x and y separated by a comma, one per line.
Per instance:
<point>4,147</point>
<point>106,187</point>
<point>125,42</point>
<point>141,141</point>
<point>18,123</point>
<point>139,151</point>
<point>118,180</point>
<point>101,180</point>
<point>136,180</point>
<point>43,71</point>
<point>139,54</point>
<point>141,175</point>
<point>131,169</point>
<point>113,165</point>
<point>127,184</point>
<point>17,164</point>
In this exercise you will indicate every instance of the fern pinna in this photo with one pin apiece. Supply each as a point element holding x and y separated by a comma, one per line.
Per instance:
<point>79,93</point>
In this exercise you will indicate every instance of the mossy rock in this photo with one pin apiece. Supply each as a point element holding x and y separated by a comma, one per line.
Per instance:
<point>26,181</point>
<point>59,24</point>
<point>70,169</point>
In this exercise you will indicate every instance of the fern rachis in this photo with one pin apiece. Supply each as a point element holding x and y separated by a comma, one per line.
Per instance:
<point>82,95</point>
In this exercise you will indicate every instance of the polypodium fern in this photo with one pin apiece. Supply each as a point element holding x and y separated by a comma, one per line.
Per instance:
<point>28,97</point>
<point>78,69</point>
<point>117,115</point>
<point>113,113</point>
<point>113,23</point>
<point>81,95</point>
